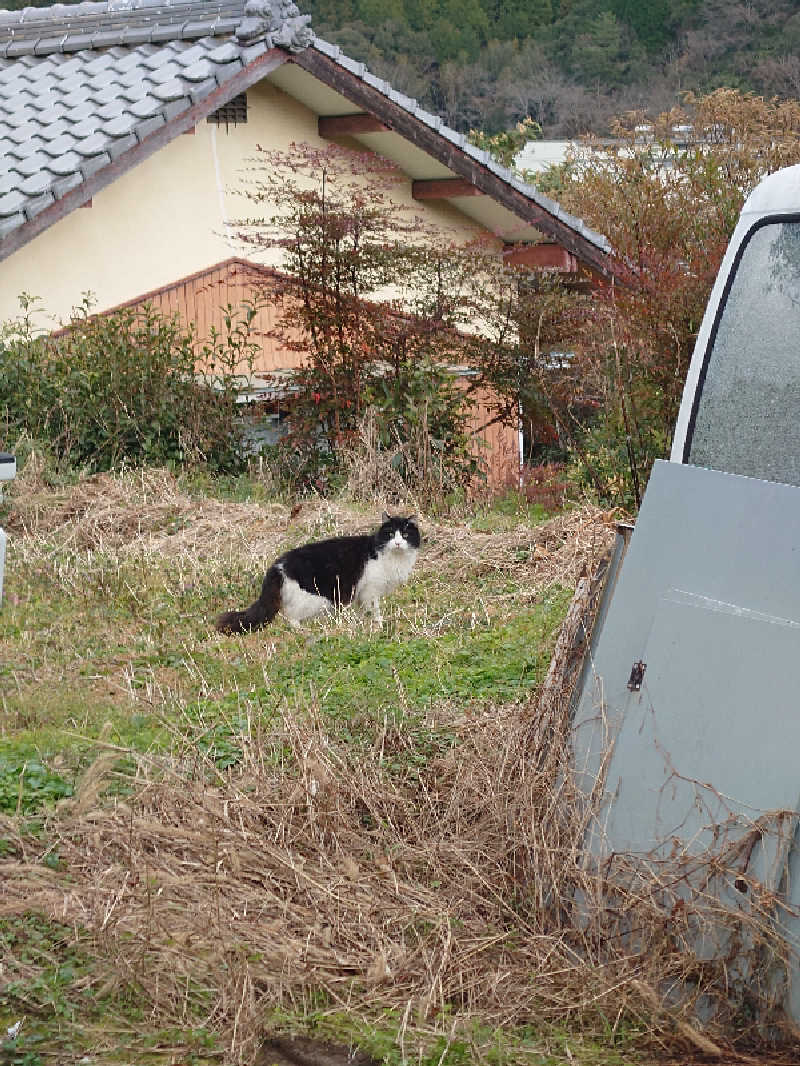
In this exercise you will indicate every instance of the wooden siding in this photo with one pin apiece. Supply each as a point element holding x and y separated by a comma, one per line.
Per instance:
<point>498,445</point>
<point>203,297</point>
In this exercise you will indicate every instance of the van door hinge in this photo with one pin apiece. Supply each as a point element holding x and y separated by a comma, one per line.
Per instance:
<point>637,675</point>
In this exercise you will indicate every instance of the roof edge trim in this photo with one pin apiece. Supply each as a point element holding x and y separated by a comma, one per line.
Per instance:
<point>588,247</point>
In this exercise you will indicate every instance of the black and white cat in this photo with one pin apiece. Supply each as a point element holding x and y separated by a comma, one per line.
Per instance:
<point>317,577</point>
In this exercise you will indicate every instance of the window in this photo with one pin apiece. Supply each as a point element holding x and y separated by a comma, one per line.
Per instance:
<point>233,113</point>
<point>747,415</point>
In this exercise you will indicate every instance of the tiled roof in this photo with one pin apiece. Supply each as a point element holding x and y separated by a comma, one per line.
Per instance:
<point>81,86</point>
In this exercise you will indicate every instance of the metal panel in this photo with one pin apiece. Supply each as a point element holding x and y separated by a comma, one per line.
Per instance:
<point>730,539</point>
<point>703,756</point>
<point>711,739</point>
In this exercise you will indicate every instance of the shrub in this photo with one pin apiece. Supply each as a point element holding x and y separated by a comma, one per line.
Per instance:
<point>121,388</point>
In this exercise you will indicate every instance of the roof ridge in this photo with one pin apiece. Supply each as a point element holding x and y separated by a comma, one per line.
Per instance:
<point>105,23</point>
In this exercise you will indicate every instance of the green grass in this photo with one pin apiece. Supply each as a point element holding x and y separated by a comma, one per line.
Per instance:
<point>93,638</point>
<point>459,1042</point>
<point>74,1009</point>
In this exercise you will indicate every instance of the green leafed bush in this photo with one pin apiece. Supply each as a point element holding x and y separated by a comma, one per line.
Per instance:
<point>120,388</point>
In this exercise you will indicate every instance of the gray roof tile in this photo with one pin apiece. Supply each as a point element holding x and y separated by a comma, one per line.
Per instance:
<point>200,91</point>
<point>66,163</point>
<point>199,71</point>
<point>17,48</point>
<point>122,145</point>
<point>107,112</point>
<point>129,61</point>
<point>22,133</point>
<point>196,29</point>
<point>150,125</point>
<point>90,167</point>
<point>60,145</point>
<point>92,145</point>
<point>74,42</point>
<point>138,76</point>
<point>225,53</point>
<point>86,124</point>
<point>109,94</point>
<point>12,202</point>
<point>32,164</point>
<point>100,79</point>
<point>58,128</point>
<point>35,206</point>
<point>118,126</point>
<point>162,33</point>
<point>48,45</point>
<point>10,223</point>
<point>170,90</point>
<point>37,183</point>
<point>104,39</point>
<point>65,185</point>
<point>175,108</point>
<point>139,35</point>
<point>9,179</point>
<point>146,107</point>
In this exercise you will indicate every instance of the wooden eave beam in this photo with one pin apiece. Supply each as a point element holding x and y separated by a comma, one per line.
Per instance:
<point>443,189</point>
<point>330,127</point>
<point>430,141</point>
<point>541,257</point>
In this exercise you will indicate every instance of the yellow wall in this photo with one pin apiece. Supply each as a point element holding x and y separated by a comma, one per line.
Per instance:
<point>165,219</point>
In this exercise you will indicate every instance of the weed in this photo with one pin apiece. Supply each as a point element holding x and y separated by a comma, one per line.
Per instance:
<point>26,785</point>
<point>252,788</point>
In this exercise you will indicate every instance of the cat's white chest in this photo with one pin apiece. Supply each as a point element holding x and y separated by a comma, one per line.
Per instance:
<point>382,575</point>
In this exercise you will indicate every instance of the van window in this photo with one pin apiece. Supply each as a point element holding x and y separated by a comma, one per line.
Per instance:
<point>748,418</point>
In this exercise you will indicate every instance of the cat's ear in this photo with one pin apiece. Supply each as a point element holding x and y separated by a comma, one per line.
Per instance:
<point>385,517</point>
<point>412,518</point>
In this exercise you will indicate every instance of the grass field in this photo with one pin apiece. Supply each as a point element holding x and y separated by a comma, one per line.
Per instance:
<point>204,839</point>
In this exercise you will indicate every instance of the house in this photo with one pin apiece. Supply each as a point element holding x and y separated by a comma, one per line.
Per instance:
<point>124,130</point>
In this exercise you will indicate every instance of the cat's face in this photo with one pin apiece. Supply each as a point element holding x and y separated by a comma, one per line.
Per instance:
<point>402,533</point>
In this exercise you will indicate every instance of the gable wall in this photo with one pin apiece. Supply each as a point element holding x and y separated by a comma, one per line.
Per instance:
<point>165,219</point>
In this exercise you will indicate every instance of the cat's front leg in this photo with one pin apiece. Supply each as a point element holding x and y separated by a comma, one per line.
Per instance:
<point>375,610</point>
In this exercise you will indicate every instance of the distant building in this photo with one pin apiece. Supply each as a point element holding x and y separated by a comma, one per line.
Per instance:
<point>538,155</point>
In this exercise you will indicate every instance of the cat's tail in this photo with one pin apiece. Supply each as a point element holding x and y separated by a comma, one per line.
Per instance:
<point>259,613</point>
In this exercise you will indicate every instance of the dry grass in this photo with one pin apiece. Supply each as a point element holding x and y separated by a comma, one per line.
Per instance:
<point>310,874</point>
<point>460,890</point>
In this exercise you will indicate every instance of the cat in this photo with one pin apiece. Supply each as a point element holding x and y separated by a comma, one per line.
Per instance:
<point>326,574</point>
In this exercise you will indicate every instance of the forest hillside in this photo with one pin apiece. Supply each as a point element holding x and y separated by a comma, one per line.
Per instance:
<point>569,64</point>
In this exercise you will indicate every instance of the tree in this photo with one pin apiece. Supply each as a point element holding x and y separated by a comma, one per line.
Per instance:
<point>668,209</point>
<point>368,299</point>
<point>506,145</point>
<point>604,54</point>
<point>517,19</point>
